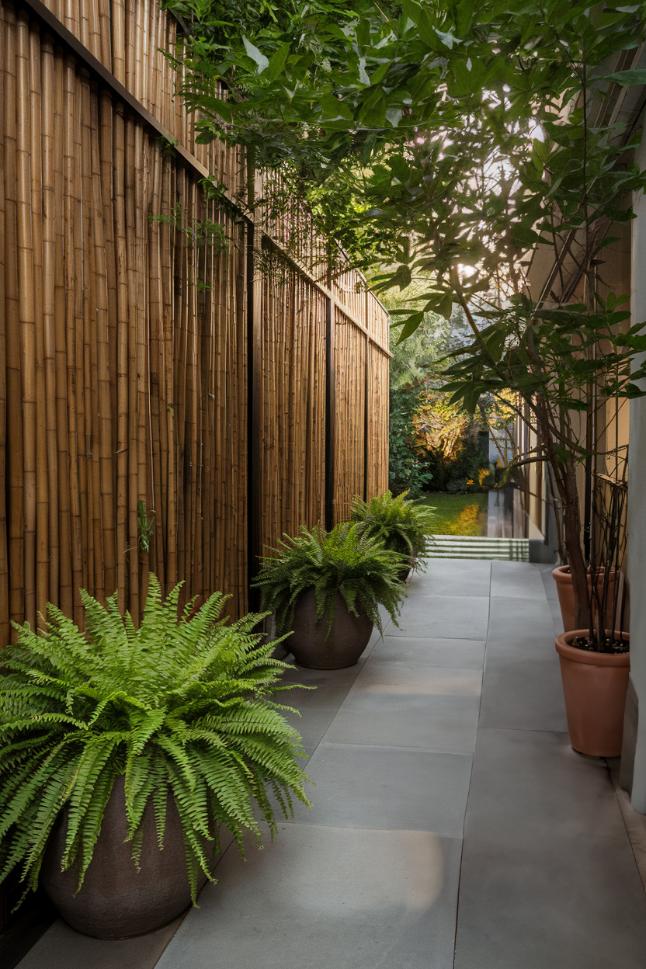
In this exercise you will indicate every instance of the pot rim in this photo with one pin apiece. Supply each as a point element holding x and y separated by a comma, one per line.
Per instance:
<point>588,658</point>
<point>560,572</point>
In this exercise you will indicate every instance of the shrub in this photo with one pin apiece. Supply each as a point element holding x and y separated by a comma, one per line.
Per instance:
<point>407,469</point>
<point>181,704</point>
<point>346,560</point>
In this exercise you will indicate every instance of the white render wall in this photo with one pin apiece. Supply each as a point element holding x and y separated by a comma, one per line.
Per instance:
<point>637,508</point>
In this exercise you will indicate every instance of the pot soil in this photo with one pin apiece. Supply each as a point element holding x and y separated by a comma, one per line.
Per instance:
<point>316,648</point>
<point>594,686</point>
<point>117,901</point>
<point>565,592</point>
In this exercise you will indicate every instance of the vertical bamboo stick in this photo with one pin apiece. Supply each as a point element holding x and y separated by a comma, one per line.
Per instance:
<point>27,311</point>
<point>4,485</point>
<point>48,418</point>
<point>123,322</point>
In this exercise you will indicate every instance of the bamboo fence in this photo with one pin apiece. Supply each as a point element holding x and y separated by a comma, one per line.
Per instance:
<point>125,354</point>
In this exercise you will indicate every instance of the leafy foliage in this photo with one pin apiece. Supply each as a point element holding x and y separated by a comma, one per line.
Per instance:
<point>415,368</point>
<point>181,705</point>
<point>441,425</point>
<point>407,472</point>
<point>443,142</point>
<point>347,560</point>
<point>399,523</point>
<point>429,132</point>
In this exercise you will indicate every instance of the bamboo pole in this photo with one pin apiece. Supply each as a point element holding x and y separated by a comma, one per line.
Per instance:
<point>27,311</point>
<point>47,420</point>
<point>4,485</point>
<point>127,385</point>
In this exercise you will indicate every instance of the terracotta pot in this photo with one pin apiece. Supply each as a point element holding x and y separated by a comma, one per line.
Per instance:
<point>565,592</point>
<point>314,648</point>
<point>594,685</point>
<point>117,901</point>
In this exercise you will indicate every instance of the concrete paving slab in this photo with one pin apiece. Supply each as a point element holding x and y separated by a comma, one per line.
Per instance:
<point>361,786</point>
<point>463,654</point>
<point>446,724</point>
<point>550,903</point>
<point>522,690</point>
<point>395,677</point>
<point>444,617</point>
<point>521,579</point>
<point>453,578</point>
<point>327,898</point>
<point>63,948</point>
<point>521,620</point>
<point>527,785</point>
<point>317,706</point>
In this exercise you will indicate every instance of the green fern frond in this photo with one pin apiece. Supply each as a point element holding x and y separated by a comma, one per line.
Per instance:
<point>346,561</point>
<point>401,524</point>
<point>181,707</point>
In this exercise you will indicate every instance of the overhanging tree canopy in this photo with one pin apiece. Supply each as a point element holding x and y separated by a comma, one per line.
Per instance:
<point>442,141</point>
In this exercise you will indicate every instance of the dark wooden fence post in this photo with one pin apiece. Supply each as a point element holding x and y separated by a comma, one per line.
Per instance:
<point>329,411</point>
<point>254,415</point>
<point>366,423</point>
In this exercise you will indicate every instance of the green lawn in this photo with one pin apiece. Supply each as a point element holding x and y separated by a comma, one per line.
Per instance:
<point>458,514</point>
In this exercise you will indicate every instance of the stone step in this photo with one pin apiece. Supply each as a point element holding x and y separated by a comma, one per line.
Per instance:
<point>479,539</point>
<point>478,547</point>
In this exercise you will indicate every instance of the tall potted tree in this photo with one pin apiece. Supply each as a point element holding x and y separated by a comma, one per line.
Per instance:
<point>445,144</point>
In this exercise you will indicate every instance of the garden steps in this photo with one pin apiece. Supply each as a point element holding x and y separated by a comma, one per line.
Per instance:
<point>479,547</point>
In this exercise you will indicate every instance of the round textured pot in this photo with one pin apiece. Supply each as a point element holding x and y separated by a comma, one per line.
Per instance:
<point>594,687</point>
<point>565,592</point>
<point>117,901</point>
<point>406,570</point>
<point>315,648</point>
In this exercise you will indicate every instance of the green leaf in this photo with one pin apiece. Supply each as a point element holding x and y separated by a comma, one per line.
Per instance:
<point>261,62</point>
<point>447,39</point>
<point>628,78</point>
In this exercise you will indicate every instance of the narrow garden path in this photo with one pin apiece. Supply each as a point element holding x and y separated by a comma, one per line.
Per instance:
<point>452,827</point>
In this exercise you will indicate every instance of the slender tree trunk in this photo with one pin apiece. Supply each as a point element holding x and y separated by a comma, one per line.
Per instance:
<point>575,557</point>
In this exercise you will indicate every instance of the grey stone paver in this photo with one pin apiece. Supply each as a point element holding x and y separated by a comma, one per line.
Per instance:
<point>443,617</point>
<point>327,898</point>
<point>461,654</point>
<point>522,690</point>
<point>516,579</point>
<point>442,723</point>
<point>418,853</point>
<point>63,948</point>
<point>394,788</point>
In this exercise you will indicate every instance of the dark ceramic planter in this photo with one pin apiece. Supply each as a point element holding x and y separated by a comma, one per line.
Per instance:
<point>117,901</point>
<point>405,572</point>
<point>315,649</point>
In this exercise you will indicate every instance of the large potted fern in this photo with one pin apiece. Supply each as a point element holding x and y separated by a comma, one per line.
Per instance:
<point>125,749</point>
<point>327,587</point>
<point>401,524</point>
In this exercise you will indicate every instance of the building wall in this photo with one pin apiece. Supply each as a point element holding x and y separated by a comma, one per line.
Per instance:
<point>634,759</point>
